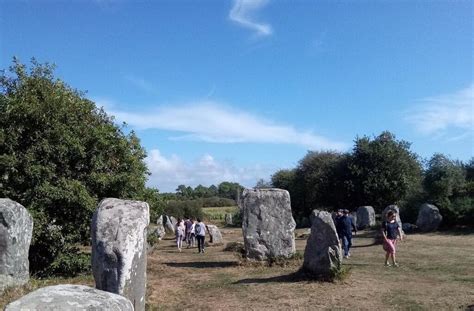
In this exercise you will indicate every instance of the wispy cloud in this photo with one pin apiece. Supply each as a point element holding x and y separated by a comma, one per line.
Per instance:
<point>218,123</point>
<point>243,13</point>
<point>140,83</point>
<point>169,172</point>
<point>439,114</point>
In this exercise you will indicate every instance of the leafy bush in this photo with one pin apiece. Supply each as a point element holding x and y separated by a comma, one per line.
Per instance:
<point>61,155</point>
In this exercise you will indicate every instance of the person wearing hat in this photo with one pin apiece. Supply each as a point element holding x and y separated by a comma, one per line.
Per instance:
<point>347,224</point>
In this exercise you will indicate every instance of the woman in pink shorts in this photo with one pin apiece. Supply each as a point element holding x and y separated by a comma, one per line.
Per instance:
<point>391,231</point>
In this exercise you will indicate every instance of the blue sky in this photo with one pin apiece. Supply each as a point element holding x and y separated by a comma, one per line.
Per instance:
<point>235,90</point>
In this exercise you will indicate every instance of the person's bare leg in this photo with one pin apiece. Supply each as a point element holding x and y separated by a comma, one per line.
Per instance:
<point>394,260</point>
<point>387,254</point>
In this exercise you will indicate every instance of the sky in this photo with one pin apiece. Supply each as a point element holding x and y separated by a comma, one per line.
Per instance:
<point>236,90</point>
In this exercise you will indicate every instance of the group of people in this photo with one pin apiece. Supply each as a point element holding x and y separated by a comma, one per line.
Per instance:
<point>190,231</point>
<point>391,232</point>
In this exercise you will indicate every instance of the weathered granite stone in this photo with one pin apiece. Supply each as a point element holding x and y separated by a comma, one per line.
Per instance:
<point>322,255</point>
<point>354,217</point>
<point>267,224</point>
<point>174,221</point>
<point>169,227</point>
<point>160,229</point>
<point>215,236</point>
<point>70,297</point>
<point>395,209</point>
<point>119,231</point>
<point>16,226</point>
<point>408,228</point>
<point>429,218</point>
<point>365,217</point>
<point>228,219</point>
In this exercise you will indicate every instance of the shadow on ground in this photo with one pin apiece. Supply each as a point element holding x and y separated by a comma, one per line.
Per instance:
<point>295,277</point>
<point>202,264</point>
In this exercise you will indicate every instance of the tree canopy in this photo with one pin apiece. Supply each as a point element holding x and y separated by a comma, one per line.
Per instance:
<point>60,156</point>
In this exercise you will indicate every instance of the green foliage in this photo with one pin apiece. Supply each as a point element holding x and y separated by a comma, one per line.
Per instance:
<point>229,190</point>
<point>181,209</point>
<point>61,155</point>
<point>444,178</point>
<point>70,264</point>
<point>319,176</point>
<point>154,200</point>
<point>448,185</point>
<point>383,171</point>
<point>152,238</point>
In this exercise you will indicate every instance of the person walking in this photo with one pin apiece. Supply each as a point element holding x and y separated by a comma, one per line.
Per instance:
<point>200,231</point>
<point>180,229</point>
<point>338,223</point>
<point>188,224</point>
<point>391,231</point>
<point>347,225</point>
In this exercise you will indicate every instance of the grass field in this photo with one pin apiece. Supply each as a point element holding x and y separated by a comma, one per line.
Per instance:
<point>436,273</point>
<point>217,214</point>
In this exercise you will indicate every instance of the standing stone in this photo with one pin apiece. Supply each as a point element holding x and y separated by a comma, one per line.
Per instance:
<point>16,227</point>
<point>365,217</point>
<point>354,218</point>
<point>160,229</point>
<point>228,219</point>
<point>119,231</point>
<point>70,297</point>
<point>174,221</point>
<point>215,235</point>
<point>322,255</point>
<point>267,224</point>
<point>429,218</point>
<point>395,209</point>
<point>169,228</point>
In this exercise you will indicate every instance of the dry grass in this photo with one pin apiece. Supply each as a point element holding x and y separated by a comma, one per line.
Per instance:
<point>436,273</point>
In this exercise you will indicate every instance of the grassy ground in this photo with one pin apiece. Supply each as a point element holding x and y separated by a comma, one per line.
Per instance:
<point>436,273</point>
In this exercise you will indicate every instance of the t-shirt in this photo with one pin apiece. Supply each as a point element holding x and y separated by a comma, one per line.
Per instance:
<point>200,229</point>
<point>188,224</point>
<point>348,224</point>
<point>391,229</point>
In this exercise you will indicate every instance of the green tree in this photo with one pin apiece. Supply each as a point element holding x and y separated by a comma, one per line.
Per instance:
<point>60,156</point>
<point>447,185</point>
<point>382,171</point>
<point>229,190</point>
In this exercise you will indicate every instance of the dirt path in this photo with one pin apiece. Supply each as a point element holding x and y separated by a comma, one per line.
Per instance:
<point>436,273</point>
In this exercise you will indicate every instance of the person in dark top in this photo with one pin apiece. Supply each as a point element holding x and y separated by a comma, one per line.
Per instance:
<point>346,227</point>
<point>338,223</point>
<point>391,231</point>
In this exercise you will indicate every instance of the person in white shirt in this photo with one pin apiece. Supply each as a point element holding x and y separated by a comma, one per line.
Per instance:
<point>200,231</point>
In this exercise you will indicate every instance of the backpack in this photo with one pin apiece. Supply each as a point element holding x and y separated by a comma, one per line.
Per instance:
<point>198,229</point>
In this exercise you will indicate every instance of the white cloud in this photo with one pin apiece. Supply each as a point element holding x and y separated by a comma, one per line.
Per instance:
<point>439,114</point>
<point>213,122</point>
<point>169,172</point>
<point>243,13</point>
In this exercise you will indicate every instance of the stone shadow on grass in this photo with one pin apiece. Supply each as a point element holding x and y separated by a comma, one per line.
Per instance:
<point>295,277</point>
<point>202,264</point>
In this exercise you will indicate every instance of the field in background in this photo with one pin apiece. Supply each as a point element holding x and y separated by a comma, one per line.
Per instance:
<point>216,215</point>
<point>435,273</point>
